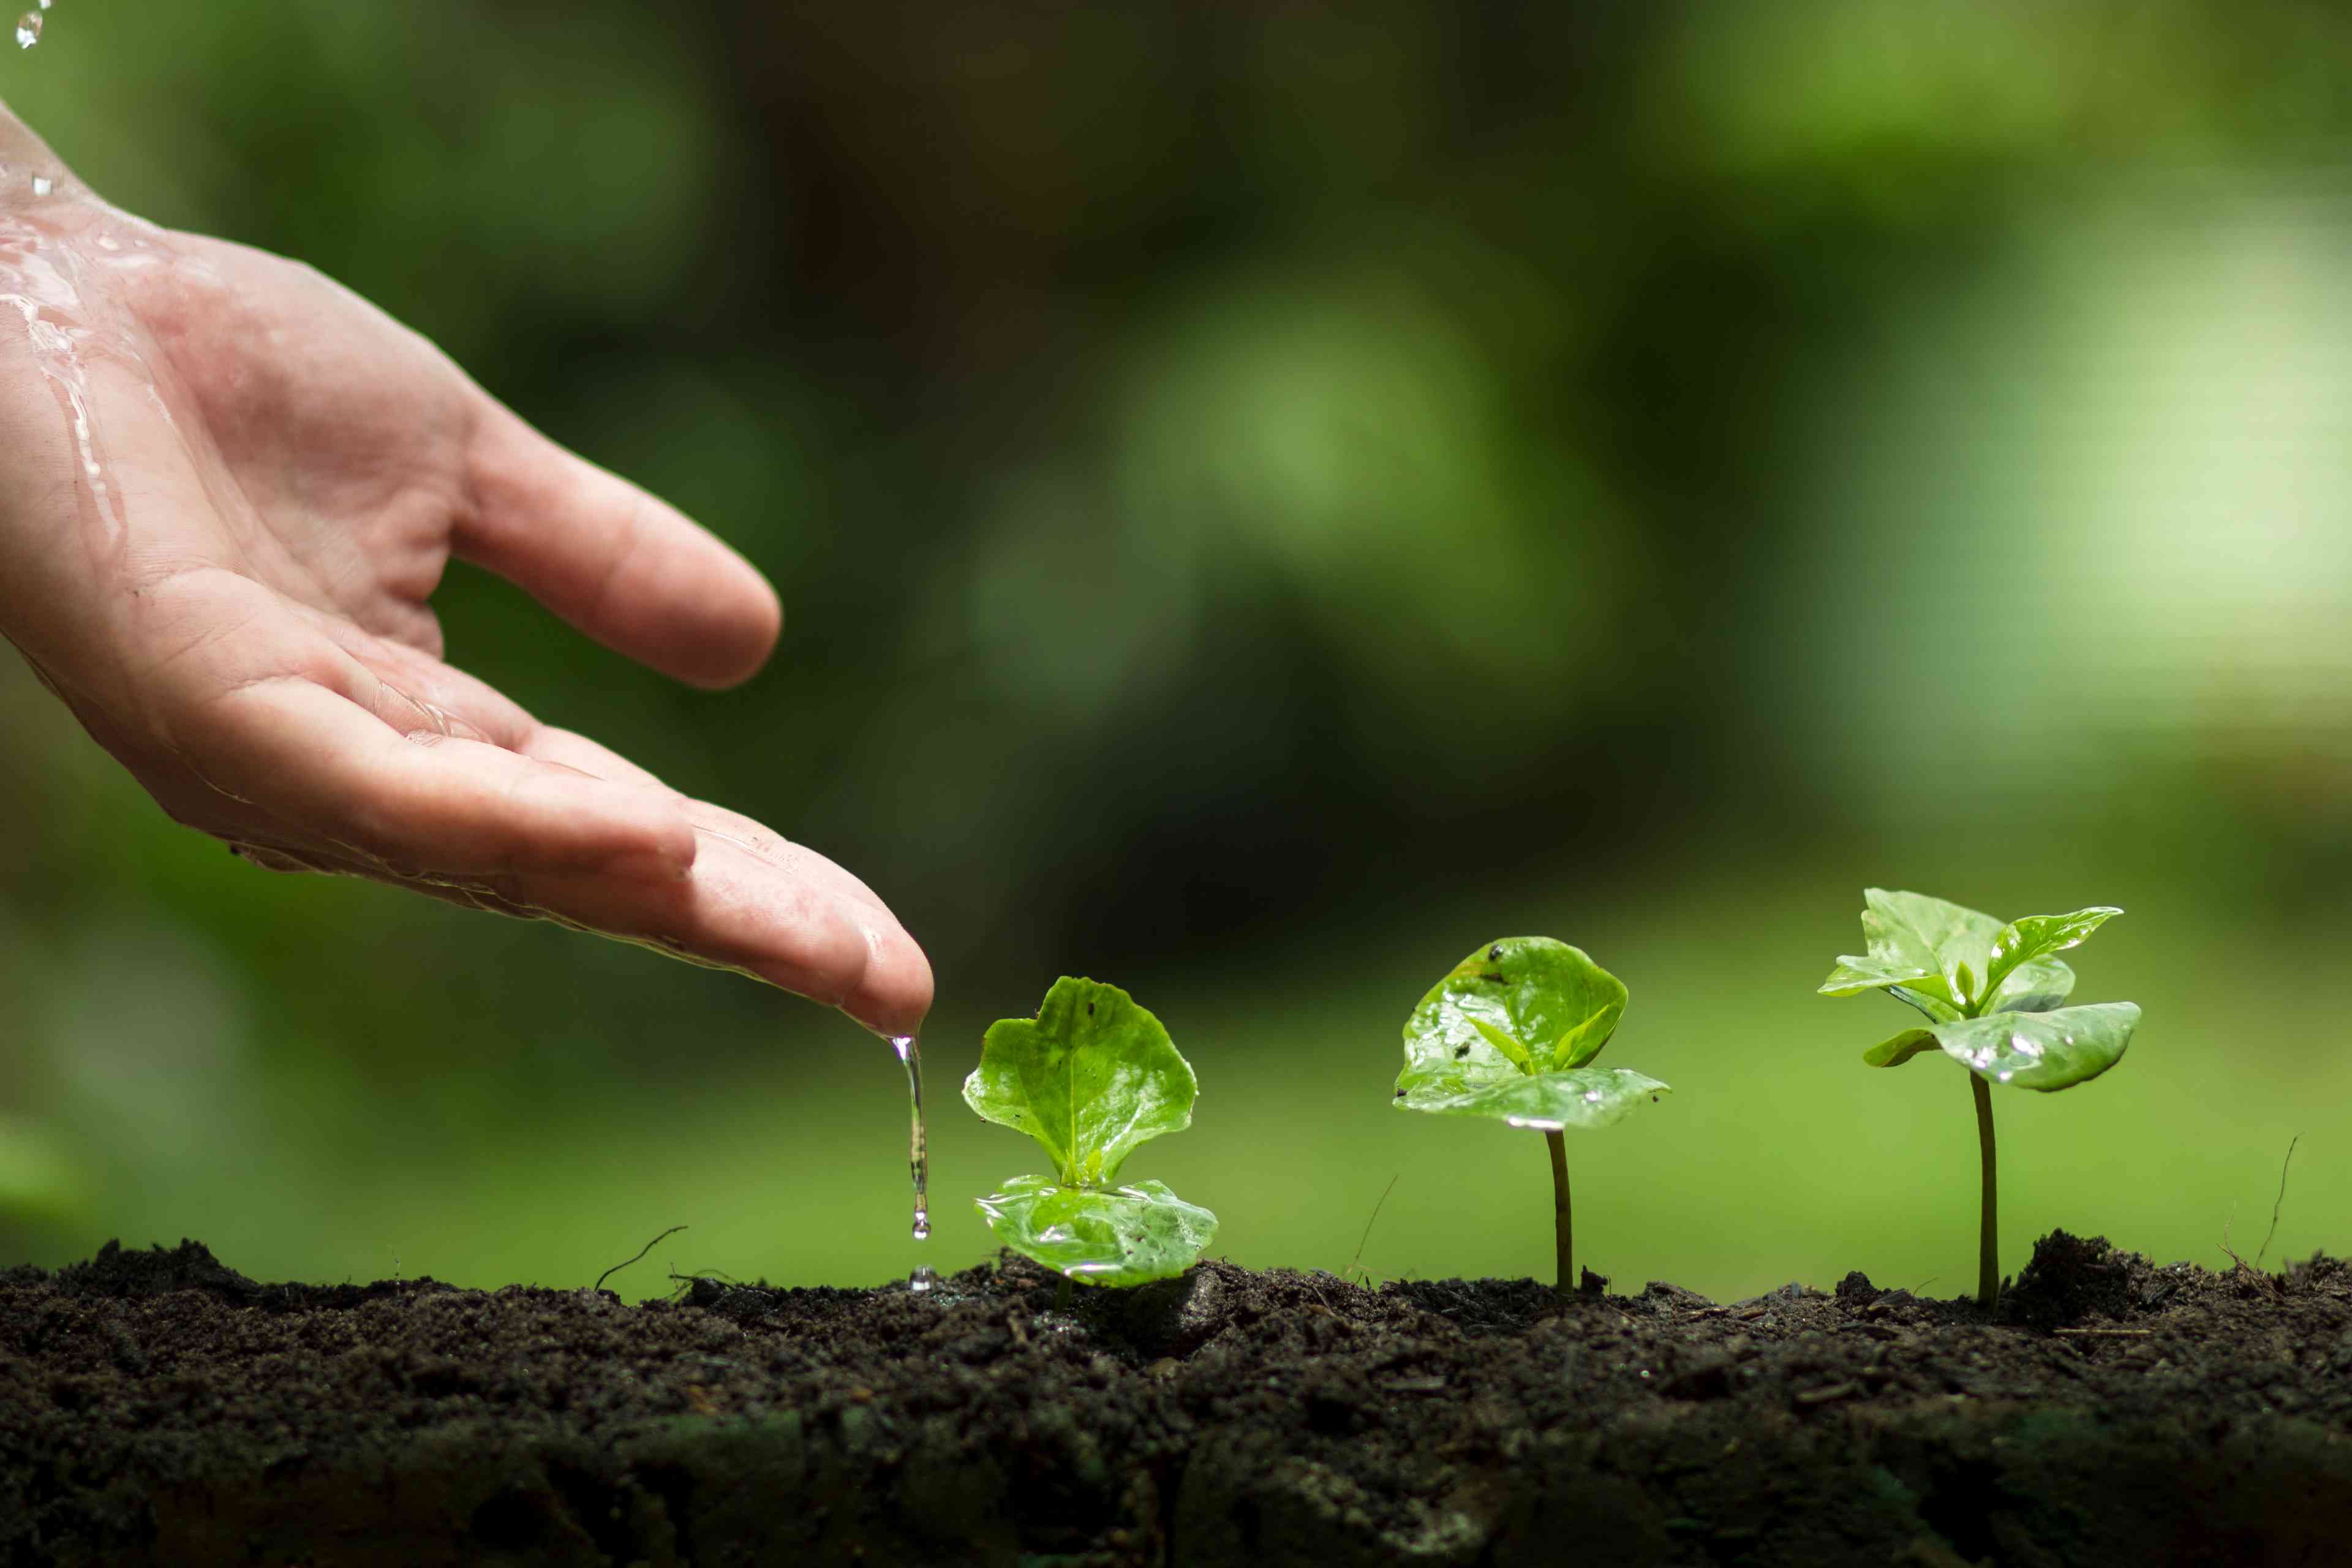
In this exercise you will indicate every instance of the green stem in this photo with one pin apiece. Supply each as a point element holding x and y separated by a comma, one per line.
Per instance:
<point>1988,1237</point>
<point>1563,1230</point>
<point>1062,1294</point>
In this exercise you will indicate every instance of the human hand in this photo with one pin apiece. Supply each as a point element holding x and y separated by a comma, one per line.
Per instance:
<point>228,488</point>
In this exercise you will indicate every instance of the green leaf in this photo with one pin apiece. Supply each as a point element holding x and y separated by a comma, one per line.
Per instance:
<point>1893,1053</point>
<point>2037,936</point>
<point>1929,997</point>
<point>1513,1052</point>
<point>2046,1051</point>
<point>1929,936</point>
<point>1507,1034</point>
<point>1100,1236</point>
<point>1091,1077</point>
<point>1577,1096</point>
<point>1922,989</point>
<point>1854,975</point>
<point>1583,1043</point>
<point>1543,994</point>
<point>2034,986</point>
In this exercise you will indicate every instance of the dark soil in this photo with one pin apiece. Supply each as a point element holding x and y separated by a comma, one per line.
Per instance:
<point>157,1407</point>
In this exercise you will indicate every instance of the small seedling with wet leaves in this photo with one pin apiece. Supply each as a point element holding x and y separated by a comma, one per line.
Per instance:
<point>1510,1036</point>
<point>1994,998</point>
<point>1091,1077</point>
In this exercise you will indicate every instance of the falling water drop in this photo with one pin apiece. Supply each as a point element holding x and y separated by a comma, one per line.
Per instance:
<point>919,1155</point>
<point>28,29</point>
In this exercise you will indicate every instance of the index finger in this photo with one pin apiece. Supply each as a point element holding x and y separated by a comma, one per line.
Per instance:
<point>624,567</point>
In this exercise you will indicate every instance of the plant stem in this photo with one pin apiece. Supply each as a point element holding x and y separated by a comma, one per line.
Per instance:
<point>1062,1294</point>
<point>1988,1237</point>
<point>1563,1230</point>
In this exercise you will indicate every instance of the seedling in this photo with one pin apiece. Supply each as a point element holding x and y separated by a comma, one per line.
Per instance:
<point>1091,1077</point>
<point>1993,995</point>
<point>1510,1036</point>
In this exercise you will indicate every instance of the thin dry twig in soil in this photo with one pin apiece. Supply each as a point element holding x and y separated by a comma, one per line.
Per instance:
<point>641,1252</point>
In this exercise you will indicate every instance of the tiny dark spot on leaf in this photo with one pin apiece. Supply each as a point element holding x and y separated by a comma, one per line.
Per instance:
<point>1496,979</point>
<point>1496,952</point>
<point>1090,1009</point>
<point>1399,1094</point>
<point>1461,1051</point>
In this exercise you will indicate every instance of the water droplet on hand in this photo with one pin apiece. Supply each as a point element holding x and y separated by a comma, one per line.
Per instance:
<point>29,29</point>
<point>43,184</point>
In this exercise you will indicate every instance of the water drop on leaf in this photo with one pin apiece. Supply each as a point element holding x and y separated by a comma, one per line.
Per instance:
<point>29,29</point>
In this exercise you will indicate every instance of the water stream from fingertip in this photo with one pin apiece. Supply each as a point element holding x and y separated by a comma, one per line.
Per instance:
<point>918,1154</point>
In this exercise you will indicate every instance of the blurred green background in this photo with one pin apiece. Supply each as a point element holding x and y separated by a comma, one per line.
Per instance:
<point>1267,497</point>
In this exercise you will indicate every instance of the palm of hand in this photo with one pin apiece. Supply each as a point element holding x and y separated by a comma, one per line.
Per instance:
<point>228,489</point>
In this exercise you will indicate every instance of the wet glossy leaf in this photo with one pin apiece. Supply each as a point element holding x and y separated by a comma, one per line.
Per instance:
<point>1576,1096</point>
<point>1901,1048</point>
<point>1091,1077</point>
<point>1929,955</point>
<point>2034,986</point>
<point>1548,997</point>
<point>2037,936</point>
<point>2041,1050</point>
<point>1507,1036</point>
<point>1930,996</point>
<point>1583,1043</point>
<point>1513,1052</point>
<point>1855,975</point>
<point>1928,936</point>
<point>1100,1236</point>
